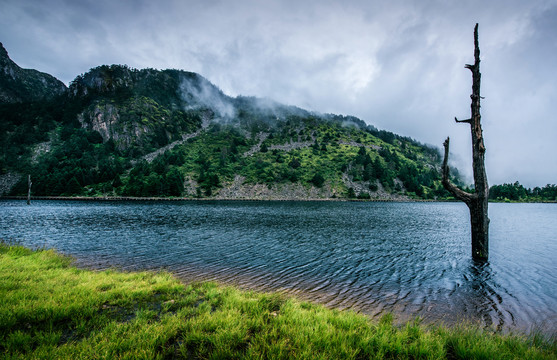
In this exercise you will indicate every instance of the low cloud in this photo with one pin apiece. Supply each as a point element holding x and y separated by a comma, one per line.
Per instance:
<point>198,92</point>
<point>397,65</point>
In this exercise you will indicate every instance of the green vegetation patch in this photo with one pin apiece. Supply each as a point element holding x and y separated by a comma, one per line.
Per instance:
<point>50,309</point>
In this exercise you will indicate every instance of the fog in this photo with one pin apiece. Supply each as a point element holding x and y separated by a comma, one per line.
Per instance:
<point>397,65</point>
<point>205,94</point>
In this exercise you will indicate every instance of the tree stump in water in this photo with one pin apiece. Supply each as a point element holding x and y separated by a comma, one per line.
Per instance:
<point>477,202</point>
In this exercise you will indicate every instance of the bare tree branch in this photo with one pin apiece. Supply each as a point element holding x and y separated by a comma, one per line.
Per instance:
<point>469,121</point>
<point>453,189</point>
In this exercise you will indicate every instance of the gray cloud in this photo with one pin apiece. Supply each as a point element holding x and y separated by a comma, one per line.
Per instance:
<point>398,65</point>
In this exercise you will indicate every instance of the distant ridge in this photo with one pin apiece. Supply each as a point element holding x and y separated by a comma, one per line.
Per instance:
<point>127,133</point>
<point>24,85</point>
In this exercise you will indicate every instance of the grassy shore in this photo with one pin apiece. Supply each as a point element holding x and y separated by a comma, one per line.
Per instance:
<point>50,309</point>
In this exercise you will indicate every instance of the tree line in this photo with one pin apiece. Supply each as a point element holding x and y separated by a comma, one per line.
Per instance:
<point>517,192</point>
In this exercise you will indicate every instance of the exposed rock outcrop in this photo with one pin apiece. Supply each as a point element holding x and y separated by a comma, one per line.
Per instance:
<point>357,144</point>
<point>239,189</point>
<point>7,182</point>
<point>40,149</point>
<point>185,137</point>
<point>103,118</point>
<point>262,136</point>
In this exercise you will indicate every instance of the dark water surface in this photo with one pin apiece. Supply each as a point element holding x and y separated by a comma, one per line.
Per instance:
<point>407,258</point>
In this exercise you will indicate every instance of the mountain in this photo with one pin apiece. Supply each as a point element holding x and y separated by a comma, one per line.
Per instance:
<point>25,85</point>
<point>118,131</point>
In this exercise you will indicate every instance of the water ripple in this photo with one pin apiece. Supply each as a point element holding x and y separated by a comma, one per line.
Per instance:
<point>409,258</point>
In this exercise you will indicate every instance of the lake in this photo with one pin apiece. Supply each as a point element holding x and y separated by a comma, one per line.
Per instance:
<point>411,259</point>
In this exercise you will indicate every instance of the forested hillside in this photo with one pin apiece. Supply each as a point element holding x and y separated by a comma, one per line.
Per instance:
<point>118,131</point>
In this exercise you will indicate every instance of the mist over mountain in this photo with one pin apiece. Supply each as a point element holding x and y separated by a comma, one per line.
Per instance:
<point>118,131</point>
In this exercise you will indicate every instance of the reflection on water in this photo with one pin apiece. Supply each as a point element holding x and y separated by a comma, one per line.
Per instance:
<point>412,259</point>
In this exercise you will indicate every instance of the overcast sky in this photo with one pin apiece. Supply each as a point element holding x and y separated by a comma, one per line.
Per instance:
<point>398,65</point>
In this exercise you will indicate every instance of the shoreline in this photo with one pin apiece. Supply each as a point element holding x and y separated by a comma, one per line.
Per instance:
<point>132,198</point>
<point>247,284</point>
<point>61,311</point>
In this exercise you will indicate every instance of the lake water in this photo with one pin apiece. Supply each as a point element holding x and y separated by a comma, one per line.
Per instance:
<point>412,259</point>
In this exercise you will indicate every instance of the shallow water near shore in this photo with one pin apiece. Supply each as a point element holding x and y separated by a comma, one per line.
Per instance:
<point>412,259</point>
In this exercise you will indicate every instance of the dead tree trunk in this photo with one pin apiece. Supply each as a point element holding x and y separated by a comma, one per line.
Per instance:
<point>29,183</point>
<point>477,202</point>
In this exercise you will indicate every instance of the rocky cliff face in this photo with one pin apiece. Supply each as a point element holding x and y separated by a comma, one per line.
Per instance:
<point>144,108</point>
<point>23,85</point>
<point>105,119</point>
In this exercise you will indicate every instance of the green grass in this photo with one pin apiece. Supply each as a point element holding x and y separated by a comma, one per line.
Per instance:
<point>50,309</point>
